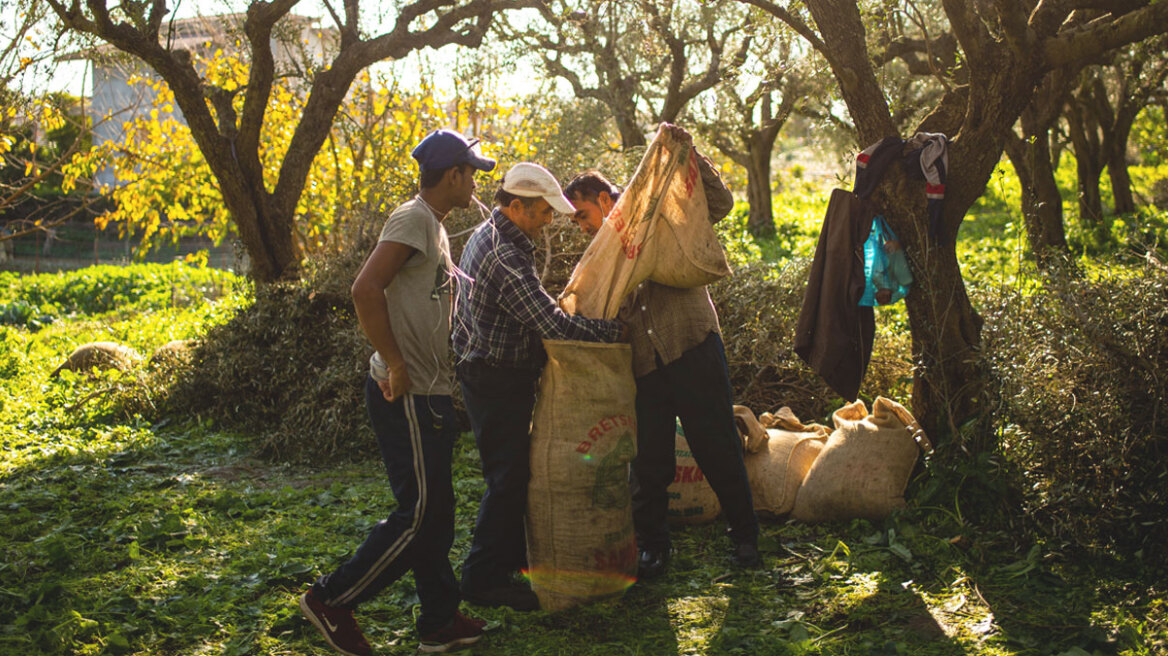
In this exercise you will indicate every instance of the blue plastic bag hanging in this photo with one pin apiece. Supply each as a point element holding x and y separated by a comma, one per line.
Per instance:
<point>886,274</point>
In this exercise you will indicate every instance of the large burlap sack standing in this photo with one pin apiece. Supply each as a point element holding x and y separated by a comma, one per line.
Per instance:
<point>580,541</point>
<point>659,230</point>
<point>777,464</point>
<point>691,499</point>
<point>865,465</point>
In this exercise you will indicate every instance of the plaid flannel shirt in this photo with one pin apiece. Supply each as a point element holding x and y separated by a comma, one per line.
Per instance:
<point>503,311</point>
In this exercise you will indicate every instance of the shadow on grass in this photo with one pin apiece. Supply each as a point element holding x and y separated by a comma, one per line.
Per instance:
<point>186,544</point>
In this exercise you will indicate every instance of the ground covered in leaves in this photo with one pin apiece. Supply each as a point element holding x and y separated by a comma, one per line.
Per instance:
<point>173,539</point>
<point>128,530</point>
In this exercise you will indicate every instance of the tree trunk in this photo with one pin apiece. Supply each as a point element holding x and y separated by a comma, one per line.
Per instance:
<point>1042,204</point>
<point>948,379</point>
<point>274,253</point>
<point>265,232</point>
<point>1121,184</point>
<point>627,125</point>
<point>1089,158</point>
<point>758,190</point>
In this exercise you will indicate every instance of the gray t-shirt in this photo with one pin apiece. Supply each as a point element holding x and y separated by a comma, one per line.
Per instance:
<point>419,300</point>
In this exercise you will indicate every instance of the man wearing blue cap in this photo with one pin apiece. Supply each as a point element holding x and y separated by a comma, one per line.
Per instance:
<point>402,298</point>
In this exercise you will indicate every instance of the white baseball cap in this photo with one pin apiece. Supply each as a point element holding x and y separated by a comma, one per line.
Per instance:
<point>534,181</point>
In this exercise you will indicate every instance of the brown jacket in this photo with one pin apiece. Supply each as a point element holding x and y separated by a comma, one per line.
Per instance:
<point>834,333</point>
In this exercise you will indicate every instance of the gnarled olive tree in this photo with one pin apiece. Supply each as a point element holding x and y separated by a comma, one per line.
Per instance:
<point>263,209</point>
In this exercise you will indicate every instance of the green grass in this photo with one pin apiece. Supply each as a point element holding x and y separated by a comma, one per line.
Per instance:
<point>173,540</point>
<point>123,532</point>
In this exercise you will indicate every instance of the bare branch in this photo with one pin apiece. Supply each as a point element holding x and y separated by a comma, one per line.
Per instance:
<point>261,18</point>
<point>794,22</point>
<point>1015,24</point>
<point>1089,42</point>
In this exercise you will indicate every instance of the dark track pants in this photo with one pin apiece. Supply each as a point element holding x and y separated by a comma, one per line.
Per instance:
<point>416,436</point>
<point>696,389</point>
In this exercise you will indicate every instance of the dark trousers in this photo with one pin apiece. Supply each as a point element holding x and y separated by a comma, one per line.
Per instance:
<point>696,389</point>
<point>500,402</point>
<point>416,436</point>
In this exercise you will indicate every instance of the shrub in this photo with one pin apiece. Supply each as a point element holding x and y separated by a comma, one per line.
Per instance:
<point>758,308</point>
<point>1081,394</point>
<point>106,288</point>
<point>288,368</point>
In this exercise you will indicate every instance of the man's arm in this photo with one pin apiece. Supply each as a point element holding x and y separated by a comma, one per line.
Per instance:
<point>373,312</point>
<point>719,200</point>
<point>524,298</point>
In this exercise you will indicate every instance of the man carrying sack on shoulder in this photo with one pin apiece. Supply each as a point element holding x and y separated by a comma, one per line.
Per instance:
<point>502,315</point>
<point>679,362</point>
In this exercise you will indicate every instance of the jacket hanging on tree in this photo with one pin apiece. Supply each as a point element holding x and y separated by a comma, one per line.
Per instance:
<point>834,333</point>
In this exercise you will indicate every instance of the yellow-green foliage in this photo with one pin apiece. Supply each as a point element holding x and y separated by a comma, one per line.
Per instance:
<point>42,417</point>
<point>364,168</point>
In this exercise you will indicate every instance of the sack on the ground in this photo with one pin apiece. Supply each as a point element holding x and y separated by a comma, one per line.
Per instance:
<point>580,541</point>
<point>777,464</point>
<point>691,499</point>
<point>753,433</point>
<point>776,460</point>
<point>865,465</point>
<point>99,355</point>
<point>172,353</point>
<point>659,230</point>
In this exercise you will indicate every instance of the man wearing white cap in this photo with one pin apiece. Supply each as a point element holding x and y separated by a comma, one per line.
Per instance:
<point>402,298</point>
<point>502,315</point>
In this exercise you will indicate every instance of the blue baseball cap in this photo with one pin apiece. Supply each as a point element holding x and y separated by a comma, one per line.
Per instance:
<point>442,149</point>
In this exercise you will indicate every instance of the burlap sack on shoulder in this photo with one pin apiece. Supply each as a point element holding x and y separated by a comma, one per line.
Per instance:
<point>691,499</point>
<point>865,465</point>
<point>777,464</point>
<point>580,541</point>
<point>659,230</point>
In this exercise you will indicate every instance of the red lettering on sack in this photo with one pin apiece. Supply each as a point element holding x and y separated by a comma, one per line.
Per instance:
<point>688,474</point>
<point>631,250</point>
<point>603,427</point>
<point>691,175</point>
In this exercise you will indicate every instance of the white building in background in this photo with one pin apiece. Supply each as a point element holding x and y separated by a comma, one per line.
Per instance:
<point>298,42</point>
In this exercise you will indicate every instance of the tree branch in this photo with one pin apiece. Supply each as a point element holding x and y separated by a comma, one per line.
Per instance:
<point>261,18</point>
<point>1085,44</point>
<point>796,23</point>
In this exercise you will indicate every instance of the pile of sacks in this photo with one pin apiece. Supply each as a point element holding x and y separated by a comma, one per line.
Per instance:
<point>111,355</point>
<point>811,473</point>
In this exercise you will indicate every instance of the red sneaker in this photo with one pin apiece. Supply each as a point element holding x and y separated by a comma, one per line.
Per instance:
<point>337,625</point>
<point>462,631</point>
